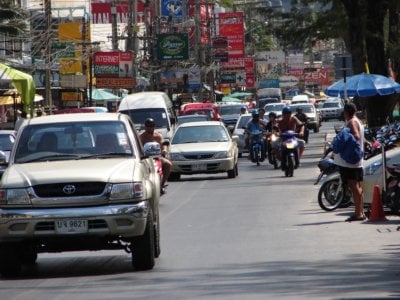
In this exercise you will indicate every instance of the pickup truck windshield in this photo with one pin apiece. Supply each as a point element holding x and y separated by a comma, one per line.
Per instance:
<point>72,141</point>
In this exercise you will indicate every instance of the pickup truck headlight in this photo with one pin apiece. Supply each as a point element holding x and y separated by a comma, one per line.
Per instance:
<point>14,197</point>
<point>123,191</point>
<point>176,156</point>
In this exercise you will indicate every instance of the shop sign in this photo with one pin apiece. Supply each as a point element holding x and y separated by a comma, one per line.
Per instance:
<point>172,46</point>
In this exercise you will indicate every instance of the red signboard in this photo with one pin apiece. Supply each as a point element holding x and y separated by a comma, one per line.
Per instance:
<point>231,26</point>
<point>101,11</point>
<point>113,64</point>
<point>123,83</point>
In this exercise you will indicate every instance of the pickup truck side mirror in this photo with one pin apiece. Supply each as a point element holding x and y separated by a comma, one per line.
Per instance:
<point>152,149</point>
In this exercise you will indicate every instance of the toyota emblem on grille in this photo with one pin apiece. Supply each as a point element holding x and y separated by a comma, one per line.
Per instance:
<point>69,189</point>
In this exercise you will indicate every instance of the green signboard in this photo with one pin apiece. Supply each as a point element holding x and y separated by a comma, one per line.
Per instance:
<point>172,46</point>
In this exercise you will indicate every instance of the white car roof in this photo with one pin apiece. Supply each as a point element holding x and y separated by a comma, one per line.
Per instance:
<point>202,123</point>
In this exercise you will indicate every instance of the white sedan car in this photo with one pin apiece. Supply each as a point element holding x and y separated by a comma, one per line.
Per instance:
<point>203,147</point>
<point>373,174</point>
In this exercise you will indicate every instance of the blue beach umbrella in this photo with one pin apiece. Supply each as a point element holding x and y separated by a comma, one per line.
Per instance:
<point>364,85</point>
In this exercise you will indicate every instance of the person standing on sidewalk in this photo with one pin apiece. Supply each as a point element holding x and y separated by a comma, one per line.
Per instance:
<point>352,173</point>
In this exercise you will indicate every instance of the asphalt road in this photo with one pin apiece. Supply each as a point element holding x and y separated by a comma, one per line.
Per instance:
<point>258,236</point>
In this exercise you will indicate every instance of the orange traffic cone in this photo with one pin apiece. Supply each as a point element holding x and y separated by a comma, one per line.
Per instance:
<point>377,213</point>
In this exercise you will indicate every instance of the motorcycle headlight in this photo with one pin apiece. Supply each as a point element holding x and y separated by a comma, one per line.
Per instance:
<point>290,145</point>
<point>176,156</point>
<point>15,197</point>
<point>222,154</point>
<point>126,191</point>
<point>274,137</point>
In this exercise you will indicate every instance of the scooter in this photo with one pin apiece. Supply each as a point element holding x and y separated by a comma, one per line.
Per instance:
<point>333,193</point>
<point>270,138</point>
<point>153,149</point>
<point>257,146</point>
<point>289,152</point>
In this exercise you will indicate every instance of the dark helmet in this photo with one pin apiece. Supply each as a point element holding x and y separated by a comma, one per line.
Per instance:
<point>299,109</point>
<point>149,122</point>
<point>286,110</point>
<point>255,113</point>
<point>272,114</point>
<point>243,107</point>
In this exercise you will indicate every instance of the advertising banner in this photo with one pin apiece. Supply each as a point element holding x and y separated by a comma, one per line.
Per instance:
<point>231,26</point>
<point>171,8</point>
<point>188,80</point>
<point>172,46</point>
<point>113,64</point>
<point>101,11</point>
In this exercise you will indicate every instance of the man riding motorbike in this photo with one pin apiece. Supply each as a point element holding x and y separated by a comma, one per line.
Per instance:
<point>289,123</point>
<point>255,124</point>
<point>304,119</point>
<point>149,135</point>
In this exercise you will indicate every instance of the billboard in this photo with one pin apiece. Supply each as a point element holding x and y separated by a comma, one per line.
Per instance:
<point>231,26</point>
<point>101,11</point>
<point>113,69</point>
<point>172,46</point>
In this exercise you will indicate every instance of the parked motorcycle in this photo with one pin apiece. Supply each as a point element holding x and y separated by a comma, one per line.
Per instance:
<point>333,193</point>
<point>153,149</point>
<point>289,152</point>
<point>257,146</point>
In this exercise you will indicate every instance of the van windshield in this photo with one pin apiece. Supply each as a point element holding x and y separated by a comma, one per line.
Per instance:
<point>139,116</point>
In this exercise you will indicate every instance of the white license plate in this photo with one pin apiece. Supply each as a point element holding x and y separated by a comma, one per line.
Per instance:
<point>71,226</point>
<point>199,167</point>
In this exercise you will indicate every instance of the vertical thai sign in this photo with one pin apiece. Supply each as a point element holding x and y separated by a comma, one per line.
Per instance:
<point>249,67</point>
<point>231,26</point>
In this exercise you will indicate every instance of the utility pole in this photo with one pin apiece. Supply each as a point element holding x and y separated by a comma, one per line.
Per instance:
<point>48,62</point>
<point>114,30</point>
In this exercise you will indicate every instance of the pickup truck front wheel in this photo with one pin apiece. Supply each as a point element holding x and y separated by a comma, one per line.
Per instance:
<point>143,256</point>
<point>10,263</point>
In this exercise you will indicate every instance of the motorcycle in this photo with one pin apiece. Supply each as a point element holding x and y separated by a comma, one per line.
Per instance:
<point>333,193</point>
<point>289,152</point>
<point>153,149</point>
<point>257,146</point>
<point>270,138</point>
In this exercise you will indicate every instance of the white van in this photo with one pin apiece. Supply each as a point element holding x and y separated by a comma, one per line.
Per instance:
<point>156,105</point>
<point>300,99</point>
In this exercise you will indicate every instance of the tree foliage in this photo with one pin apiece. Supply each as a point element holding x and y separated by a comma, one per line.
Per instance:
<point>368,29</point>
<point>12,19</point>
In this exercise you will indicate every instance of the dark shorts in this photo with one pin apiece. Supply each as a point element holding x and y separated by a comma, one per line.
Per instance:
<point>351,173</point>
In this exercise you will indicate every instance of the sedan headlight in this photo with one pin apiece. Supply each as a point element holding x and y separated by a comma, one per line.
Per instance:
<point>124,191</point>
<point>176,156</point>
<point>222,154</point>
<point>14,197</point>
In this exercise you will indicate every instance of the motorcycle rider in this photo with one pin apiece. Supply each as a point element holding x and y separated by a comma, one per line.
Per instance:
<point>303,118</point>
<point>289,122</point>
<point>149,135</point>
<point>254,124</point>
<point>272,126</point>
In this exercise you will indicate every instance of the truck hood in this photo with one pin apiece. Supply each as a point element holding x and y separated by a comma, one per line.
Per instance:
<point>88,170</point>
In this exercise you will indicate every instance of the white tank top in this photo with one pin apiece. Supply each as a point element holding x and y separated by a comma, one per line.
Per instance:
<point>338,160</point>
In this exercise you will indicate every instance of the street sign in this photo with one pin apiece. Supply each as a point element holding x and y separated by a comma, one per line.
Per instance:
<point>343,66</point>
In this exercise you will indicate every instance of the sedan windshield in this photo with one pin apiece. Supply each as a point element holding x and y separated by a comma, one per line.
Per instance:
<point>199,134</point>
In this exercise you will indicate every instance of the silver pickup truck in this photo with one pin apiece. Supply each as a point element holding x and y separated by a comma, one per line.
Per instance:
<point>78,182</point>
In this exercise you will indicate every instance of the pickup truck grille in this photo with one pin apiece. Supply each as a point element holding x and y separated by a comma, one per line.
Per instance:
<point>58,189</point>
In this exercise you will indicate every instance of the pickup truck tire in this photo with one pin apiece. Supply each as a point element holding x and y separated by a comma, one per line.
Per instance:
<point>143,247</point>
<point>316,128</point>
<point>174,176</point>
<point>157,244</point>
<point>28,255</point>
<point>10,263</point>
